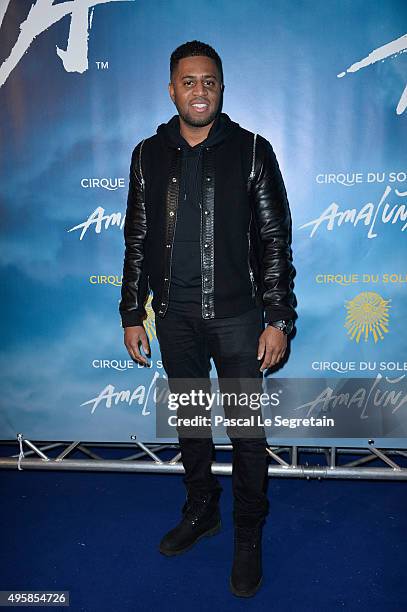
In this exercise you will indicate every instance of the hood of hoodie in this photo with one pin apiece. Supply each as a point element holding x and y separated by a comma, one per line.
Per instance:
<point>221,129</point>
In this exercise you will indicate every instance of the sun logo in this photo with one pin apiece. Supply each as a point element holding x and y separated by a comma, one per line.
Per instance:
<point>149,322</point>
<point>367,314</point>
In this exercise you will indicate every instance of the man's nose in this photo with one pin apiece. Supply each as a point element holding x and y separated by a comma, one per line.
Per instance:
<point>199,88</point>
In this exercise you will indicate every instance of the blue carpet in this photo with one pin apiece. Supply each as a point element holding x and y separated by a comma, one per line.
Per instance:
<point>328,545</point>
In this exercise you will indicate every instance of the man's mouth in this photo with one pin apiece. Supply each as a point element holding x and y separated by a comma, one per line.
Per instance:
<point>200,107</point>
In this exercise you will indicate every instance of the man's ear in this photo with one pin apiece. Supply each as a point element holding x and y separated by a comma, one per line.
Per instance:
<point>171,90</point>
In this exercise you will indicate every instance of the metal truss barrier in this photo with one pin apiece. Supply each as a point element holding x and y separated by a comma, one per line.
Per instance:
<point>148,459</point>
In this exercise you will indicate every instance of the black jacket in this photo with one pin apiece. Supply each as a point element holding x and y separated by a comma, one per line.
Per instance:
<point>245,230</point>
<point>186,279</point>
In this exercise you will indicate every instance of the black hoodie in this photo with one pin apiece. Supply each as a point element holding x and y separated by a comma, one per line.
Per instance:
<point>185,287</point>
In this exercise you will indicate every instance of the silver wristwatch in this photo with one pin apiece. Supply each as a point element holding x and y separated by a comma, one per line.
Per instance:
<point>285,326</point>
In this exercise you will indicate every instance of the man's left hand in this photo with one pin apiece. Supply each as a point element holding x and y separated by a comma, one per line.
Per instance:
<point>272,346</point>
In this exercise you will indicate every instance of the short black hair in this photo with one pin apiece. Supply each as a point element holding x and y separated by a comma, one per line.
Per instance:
<point>191,48</point>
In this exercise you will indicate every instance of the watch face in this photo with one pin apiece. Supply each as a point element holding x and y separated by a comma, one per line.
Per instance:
<point>289,327</point>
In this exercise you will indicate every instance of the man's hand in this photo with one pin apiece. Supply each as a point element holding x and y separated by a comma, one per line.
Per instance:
<point>272,346</point>
<point>132,337</point>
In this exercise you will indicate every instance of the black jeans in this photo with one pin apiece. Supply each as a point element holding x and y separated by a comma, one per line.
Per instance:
<point>187,344</point>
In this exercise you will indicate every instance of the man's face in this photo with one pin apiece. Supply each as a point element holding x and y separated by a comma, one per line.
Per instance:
<point>196,90</point>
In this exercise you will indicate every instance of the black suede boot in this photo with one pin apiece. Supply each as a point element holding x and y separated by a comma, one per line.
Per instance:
<point>247,571</point>
<point>201,517</point>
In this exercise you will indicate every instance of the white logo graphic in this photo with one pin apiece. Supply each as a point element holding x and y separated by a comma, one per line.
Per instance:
<point>43,15</point>
<point>368,215</point>
<point>392,48</point>
<point>97,218</point>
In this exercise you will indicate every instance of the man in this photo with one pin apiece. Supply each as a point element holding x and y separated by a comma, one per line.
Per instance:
<point>208,230</point>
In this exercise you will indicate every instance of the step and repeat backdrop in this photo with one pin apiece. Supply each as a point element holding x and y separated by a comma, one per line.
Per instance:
<point>81,83</point>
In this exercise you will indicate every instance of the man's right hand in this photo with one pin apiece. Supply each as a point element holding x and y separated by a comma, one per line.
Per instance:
<point>132,337</point>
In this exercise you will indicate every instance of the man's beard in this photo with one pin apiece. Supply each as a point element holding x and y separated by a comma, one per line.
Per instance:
<point>198,122</point>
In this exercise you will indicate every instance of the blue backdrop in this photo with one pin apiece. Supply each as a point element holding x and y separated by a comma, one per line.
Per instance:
<point>82,82</point>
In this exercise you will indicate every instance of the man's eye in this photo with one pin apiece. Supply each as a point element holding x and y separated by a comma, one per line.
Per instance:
<point>210,83</point>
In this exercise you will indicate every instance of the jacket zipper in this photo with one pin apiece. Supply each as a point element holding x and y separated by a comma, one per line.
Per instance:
<point>200,197</point>
<point>248,262</point>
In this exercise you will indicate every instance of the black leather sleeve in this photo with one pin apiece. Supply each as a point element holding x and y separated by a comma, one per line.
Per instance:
<point>273,221</point>
<point>135,287</point>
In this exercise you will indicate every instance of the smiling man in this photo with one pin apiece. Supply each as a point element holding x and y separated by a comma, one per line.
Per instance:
<point>208,230</point>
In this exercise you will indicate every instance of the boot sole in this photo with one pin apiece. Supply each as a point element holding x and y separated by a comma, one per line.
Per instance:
<point>212,531</point>
<point>245,593</point>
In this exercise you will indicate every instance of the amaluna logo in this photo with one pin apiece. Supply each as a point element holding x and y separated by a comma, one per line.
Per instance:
<point>369,215</point>
<point>43,15</point>
<point>100,221</point>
